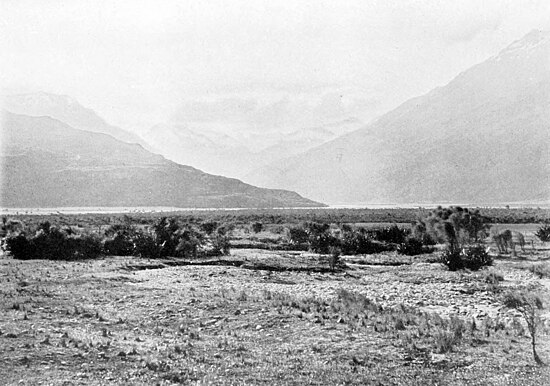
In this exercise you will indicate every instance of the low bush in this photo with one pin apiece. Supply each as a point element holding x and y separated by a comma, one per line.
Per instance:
<point>51,243</point>
<point>411,247</point>
<point>472,257</point>
<point>319,238</point>
<point>452,259</point>
<point>257,227</point>
<point>146,246</point>
<point>119,246</point>
<point>209,227</point>
<point>392,234</point>
<point>543,233</point>
<point>476,257</point>
<point>297,235</point>
<point>358,243</point>
<point>87,246</point>
<point>20,247</point>
<point>220,246</point>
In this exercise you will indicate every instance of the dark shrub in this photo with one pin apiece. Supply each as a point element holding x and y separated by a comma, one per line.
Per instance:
<point>120,245</point>
<point>190,243</point>
<point>543,233</point>
<point>146,246</point>
<point>334,258</point>
<point>167,236</point>
<point>220,246</point>
<point>391,234</point>
<point>319,238</point>
<point>86,246</point>
<point>257,227</point>
<point>412,247</point>
<point>455,226</point>
<point>297,235</point>
<point>357,243</point>
<point>472,257</point>
<point>120,241</point>
<point>476,257</point>
<point>52,244</point>
<point>19,247</point>
<point>452,259</point>
<point>209,227</point>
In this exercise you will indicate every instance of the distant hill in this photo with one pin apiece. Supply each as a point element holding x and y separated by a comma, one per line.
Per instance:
<point>482,138</point>
<point>69,111</point>
<point>239,152</point>
<point>46,163</point>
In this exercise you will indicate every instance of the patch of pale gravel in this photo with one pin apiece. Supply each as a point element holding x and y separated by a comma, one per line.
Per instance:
<point>444,297</point>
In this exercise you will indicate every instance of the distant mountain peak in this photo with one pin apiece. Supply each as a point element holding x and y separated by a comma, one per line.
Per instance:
<point>46,163</point>
<point>483,138</point>
<point>67,109</point>
<point>530,41</point>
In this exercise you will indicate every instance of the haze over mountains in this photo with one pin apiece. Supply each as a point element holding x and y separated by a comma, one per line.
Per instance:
<point>482,138</point>
<point>47,163</point>
<point>232,136</point>
<point>68,110</point>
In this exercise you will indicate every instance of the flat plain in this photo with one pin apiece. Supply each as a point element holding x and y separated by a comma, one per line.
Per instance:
<point>263,316</point>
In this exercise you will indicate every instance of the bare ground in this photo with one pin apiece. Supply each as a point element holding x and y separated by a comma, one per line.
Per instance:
<point>261,317</point>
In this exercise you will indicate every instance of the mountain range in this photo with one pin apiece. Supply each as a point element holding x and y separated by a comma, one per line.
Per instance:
<point>238,153</point>
<point>67,110</point>
<point>482,138</point>
<point>47,163</point>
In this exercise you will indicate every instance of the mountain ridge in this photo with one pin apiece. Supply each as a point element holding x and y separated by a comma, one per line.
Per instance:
<point>496,113</point>
<point>67,109</point>
<point>47,163</point>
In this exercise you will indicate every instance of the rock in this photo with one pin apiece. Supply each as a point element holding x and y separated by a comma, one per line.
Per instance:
<point>438,358</point>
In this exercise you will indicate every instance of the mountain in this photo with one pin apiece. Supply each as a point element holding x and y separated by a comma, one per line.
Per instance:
<point>46,163</point>
<point>482,138</point>
<point>68,110</point>
<point>213,152</point>
<point>238,153</point>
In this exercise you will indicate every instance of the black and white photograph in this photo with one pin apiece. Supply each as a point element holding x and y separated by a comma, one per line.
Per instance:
<point>275,192</point>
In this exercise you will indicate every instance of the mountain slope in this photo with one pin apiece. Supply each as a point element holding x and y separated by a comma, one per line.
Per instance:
<point>46,163</point>
<point>482,138</point>
<point>241,152</point>
<point>68,110</point>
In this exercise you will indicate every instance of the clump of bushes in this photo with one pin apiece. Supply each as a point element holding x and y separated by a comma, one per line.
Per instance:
<point>297,235</point>
<point>120,240</point>
<point>358,242</point>
<point>50,242</point>
<point>473,257</point>
<point>412,247</point>
<point>257,227</point>
<point>319,238</point>
<point>392,234</point>
<point>543,233</point>
<point>165,238</point>
<point>463,232</point>
<point>455,226</point>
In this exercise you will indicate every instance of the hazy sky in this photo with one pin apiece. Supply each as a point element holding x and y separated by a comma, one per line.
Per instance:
<point>133,61</point>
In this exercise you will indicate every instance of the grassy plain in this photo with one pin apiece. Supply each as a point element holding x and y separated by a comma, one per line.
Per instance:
<point>269,317</point>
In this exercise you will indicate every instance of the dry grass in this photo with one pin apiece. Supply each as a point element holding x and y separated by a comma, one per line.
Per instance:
<point>114,321</point>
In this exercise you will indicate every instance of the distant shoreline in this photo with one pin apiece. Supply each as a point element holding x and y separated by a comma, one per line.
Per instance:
<point>161,209</point>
